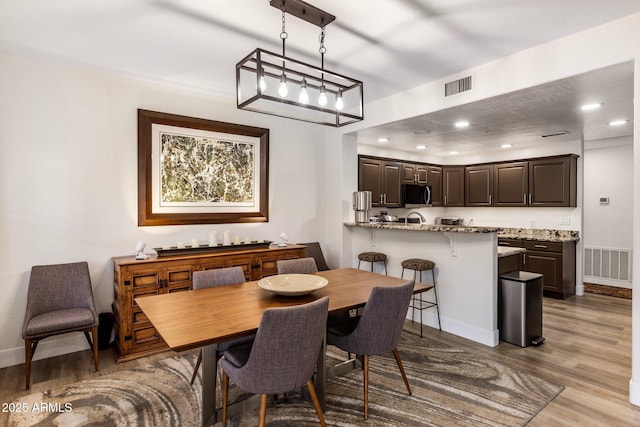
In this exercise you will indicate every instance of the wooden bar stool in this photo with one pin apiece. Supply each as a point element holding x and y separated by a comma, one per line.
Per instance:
<point>417,302</point>
<point>373,257</point>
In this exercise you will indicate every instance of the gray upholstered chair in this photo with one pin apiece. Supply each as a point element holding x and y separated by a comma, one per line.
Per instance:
<point>298,265</point>
<point>376,332</point>
<point>59,300</point>
<point>315,251</point>
<point>282,358</point>
<point>209,279</point>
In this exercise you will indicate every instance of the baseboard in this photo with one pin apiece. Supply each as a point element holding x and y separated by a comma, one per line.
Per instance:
<point>49,347</point>
<point>613,291</point>
<point>634,392</point>
<point>470,332</point>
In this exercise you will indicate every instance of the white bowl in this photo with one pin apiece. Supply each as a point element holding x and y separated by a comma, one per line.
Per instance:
<point>293,284</point>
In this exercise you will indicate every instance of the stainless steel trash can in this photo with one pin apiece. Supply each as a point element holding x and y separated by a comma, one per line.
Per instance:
<point>520,308</point>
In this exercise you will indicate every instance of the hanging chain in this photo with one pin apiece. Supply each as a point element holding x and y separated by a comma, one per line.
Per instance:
<point>283,34</point>
<point>322,49</point>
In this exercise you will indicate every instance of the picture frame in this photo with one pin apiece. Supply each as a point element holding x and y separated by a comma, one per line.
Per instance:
<point>199,171</point>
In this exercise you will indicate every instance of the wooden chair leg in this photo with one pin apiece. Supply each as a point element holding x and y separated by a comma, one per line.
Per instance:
<point>365,368</point>
<point>225,397</point>
<point>195,370</point>
<point>316,402</point>
<point>263,410</point>
<point>396,354</point>
<point>94,334</point>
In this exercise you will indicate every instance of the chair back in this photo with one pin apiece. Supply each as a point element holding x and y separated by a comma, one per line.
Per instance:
<point>380,326</point>
<point>286,348</point>
<point>218,277</point>
<point>315,251</point>
<point>58,287</point>
<point>297,266</point>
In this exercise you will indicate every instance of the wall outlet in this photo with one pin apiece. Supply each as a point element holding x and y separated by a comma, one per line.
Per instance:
<point>565,221</point>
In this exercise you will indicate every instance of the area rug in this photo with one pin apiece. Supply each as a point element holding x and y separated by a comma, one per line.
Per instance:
<point>451,387</point>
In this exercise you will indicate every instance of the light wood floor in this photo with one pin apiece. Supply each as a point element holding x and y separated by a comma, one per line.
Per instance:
<point>587,349</point>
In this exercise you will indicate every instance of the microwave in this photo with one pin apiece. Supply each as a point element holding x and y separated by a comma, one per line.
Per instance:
<point>416,195</point>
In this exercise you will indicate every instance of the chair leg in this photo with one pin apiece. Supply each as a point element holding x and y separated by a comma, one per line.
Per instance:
<point>435,292</point>
<point>195,370</point>
<point>366,386</point>
<point>28,355</point>
<point>316,402</point>
<point>225,397</point>
<point>94,335</point>
<point>396,354</point>
<point>263,410</point>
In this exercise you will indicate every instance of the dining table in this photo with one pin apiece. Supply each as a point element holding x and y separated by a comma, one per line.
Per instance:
<point>203,318</point>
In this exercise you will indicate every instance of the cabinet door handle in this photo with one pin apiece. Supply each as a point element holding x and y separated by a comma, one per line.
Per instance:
<point>380,198</point>
<point>524,198</point>
<point>541,246</point>
<point>490,199</point>
<point>529,198</point>
<point>445,199</point>
<point>524,259</point>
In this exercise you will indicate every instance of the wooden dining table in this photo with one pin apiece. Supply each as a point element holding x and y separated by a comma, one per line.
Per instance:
<point>203,318</point>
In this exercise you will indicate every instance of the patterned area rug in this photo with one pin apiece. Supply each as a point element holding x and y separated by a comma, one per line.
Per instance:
<point>451,387</point>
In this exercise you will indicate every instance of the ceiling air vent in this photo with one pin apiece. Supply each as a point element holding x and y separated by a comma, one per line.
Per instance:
<point>457,86</point>
<point>562,132</point>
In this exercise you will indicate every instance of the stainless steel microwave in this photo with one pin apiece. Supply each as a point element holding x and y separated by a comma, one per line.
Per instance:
<point>416,195</point>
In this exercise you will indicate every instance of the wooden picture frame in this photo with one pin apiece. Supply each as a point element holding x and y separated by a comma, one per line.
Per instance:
<point>202,146</point>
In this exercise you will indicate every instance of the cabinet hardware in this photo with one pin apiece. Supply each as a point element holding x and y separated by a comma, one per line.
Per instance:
<point>529,198</point>
<point>127,282</point>
<point>524,198</point>
<point>128,338</point>
<point>524,259</point>
<point>540,246</point>
<point>490,199</point>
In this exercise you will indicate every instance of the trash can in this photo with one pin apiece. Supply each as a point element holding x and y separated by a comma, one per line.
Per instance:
<point>520,308</point>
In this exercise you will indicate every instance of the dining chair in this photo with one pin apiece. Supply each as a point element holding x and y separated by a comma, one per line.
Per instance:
<point>59,300</point>
<point>376,331</point>
<point>209,279</point>
<point>314,251</point>
<point>297,266</point>
<point>283,356</point>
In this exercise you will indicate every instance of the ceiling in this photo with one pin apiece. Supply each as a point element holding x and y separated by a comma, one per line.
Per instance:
<point>390,45</point>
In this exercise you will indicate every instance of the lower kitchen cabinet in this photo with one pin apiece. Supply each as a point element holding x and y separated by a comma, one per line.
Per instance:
<point>134,335</point>
<point>556,261</point>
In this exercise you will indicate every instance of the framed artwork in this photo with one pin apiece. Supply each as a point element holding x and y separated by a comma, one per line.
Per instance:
<point>198,171</point>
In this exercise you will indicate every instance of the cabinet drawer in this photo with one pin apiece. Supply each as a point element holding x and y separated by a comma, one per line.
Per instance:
<point>514,243</point>
<point>533,245</point>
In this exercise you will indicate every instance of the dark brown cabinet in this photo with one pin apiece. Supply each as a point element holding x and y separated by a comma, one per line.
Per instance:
<point>478,185</point>
<point>434,179</point>
<point>453,186</point>
<point>382,178</point>
<point>511,184</point>
<point>553,181</point>
<point>414,173</point>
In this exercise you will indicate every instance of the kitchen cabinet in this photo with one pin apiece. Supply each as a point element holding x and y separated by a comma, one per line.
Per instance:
<point>434,179</point>
<point>556,261</point>
<point>553,181</point>
<point>453,186</point>
<point>511,184</point>
<point>134,335</point>
<point>413,173</point>
<point>478,185</point>
<point>382,178</point>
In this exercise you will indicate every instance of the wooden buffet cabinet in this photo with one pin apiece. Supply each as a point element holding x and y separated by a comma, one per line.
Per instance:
<point>134,335</point>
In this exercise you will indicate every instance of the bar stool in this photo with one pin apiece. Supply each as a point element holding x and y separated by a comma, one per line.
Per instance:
<point>373,257</point>
<point>418,264</point>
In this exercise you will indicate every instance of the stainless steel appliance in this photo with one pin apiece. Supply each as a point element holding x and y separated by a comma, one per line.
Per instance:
<point>362,205</point>
<point>415,195</point>
<point>450,220</point>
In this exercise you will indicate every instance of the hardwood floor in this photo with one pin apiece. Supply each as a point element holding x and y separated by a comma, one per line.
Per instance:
<point>587,349</point>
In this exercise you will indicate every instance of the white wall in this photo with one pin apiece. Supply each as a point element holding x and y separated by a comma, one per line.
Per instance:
<point>68,178</point>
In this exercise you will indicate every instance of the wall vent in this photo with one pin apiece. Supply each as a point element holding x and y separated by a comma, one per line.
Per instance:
<point>457,86</point>
<point>606,263</point>
<point>562,132</point>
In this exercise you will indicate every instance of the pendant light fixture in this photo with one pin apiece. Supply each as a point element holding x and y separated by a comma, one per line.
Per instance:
<point>275,84</point>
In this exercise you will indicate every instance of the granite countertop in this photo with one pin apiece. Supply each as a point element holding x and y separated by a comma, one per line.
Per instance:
<point>547,235</point>
<point>504,251</point>
<point>425,227</point>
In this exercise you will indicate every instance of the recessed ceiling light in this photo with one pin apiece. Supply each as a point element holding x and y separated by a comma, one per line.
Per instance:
<point>593,106</point>
<point>617,122</point>
<point>506,146</point>
<point>421,147</point>
<point>454,152</point>
<point>383,139</point>
<point>421,131</point>
<point>461,124</point>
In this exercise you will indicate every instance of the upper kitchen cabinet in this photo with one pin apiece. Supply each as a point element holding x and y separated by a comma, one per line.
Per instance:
<point>478,185</point>
<point>553,181</point>
<point>511,184</point>
<point>382,178</point>
<point>434,179</point>
<point>453,185</point>
<point>414,173</point>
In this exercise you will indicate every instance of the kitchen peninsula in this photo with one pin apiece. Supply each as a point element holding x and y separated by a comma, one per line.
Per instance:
<point>466,270</point>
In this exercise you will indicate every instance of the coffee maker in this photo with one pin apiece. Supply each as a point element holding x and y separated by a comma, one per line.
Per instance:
<point>362,205</point>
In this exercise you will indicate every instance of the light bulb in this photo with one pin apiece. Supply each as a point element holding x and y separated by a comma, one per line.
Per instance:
<point>304,96</point>
<point>339,102</point>
<point>262,82</point>
<point>322,99</point>
<point>282,90</point>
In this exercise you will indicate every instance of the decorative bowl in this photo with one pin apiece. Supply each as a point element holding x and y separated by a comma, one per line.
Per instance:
<point>293,284</point>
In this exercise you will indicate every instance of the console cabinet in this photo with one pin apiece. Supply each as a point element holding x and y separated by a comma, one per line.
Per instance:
<point>134,335</point>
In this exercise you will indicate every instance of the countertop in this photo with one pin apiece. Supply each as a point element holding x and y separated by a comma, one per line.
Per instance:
<point>504,251</point>
<point>542,234</point>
